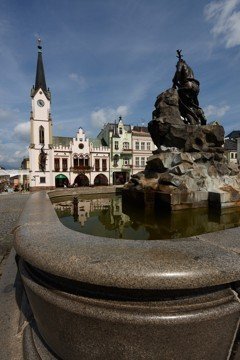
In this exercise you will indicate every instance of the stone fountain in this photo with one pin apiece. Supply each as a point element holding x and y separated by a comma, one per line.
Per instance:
<point>89,297</point>
<point>189,168</point>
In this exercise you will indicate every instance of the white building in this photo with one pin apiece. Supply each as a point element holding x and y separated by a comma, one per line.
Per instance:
<point>231,147</point>
<point>118,151</point>
<point>58,161</point>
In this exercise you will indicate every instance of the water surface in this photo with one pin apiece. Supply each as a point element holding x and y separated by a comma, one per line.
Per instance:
<point>105,216</point>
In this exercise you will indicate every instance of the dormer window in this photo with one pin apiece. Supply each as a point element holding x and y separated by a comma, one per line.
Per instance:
<point>120,131</point>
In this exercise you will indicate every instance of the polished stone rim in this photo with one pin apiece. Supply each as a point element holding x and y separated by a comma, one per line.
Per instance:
<point>189,263</point>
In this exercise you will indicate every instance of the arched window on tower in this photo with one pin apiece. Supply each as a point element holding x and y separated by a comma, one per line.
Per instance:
<point>41,135</point>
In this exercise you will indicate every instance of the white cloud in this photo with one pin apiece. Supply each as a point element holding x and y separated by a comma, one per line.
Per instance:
<point>225,17</point>
<point>22,131</point>
<point>105,115</point>
<point>79,79</point>
<point>218,111</point>
<point>11,154</point>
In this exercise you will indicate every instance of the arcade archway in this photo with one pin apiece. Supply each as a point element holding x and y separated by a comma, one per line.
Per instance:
<point>81,180</point>
<point>100,179</point>
<point>61,181</point>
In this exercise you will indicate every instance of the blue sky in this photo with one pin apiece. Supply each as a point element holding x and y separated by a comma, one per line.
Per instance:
<point>105,58</point>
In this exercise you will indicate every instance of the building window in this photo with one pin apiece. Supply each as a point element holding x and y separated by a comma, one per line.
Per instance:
<point>126,145</point>
<point>142,145</point>
<point>142,161</point>
<point>81,161</point>
<point>81,146</point>
<point>120,131</point>
<point>116,145</point>
<point>86,160</point>
<point>97,164</point>
<point>235,155</point>
<point>75,162</point>
<point>115,160</point>
<point>126,161</point>
<point>42,180</point>
<point>148,146</point>
<point>137,145</point>
<point>137,161</point>
<point>104,164</point>
<point>41,135</point>
<point>56,164</point>
<point>64,164</point>
<point>232,155</point>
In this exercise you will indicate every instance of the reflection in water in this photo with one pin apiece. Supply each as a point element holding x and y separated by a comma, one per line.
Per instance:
<point>105,216</point>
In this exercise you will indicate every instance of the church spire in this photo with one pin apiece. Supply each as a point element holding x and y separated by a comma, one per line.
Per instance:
<point>40,81</point>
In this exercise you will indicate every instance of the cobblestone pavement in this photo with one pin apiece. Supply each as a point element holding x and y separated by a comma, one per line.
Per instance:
<point>11,206</point>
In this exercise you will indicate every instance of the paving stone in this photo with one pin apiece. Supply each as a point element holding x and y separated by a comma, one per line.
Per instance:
<point>11,206</point>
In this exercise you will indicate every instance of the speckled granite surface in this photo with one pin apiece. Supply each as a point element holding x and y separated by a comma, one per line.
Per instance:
<point>206,260</point>
<point>101,298</point>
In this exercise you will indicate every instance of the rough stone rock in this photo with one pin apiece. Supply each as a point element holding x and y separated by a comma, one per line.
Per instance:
<point>168,179</point>
<point>151,174</point>
<point>187,138</point>
<point>159,162</point>
<point>182,157</point>
<point>186,173</point>
<point>234,169</point>
<point>220,157</point>
<point>180,169</point>
<point>167,107</point>
<point>222,169</point>
<point>196,156</point>
<point>212,171</point>
<point>139,175</point>
<point>206,156</point>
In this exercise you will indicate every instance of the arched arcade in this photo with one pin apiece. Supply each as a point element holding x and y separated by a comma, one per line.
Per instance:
<point>100,179</point>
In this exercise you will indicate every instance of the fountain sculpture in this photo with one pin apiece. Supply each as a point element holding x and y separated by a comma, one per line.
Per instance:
<point>189,168</point>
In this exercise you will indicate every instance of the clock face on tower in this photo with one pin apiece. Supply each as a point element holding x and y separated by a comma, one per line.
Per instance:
<point>40,103</point>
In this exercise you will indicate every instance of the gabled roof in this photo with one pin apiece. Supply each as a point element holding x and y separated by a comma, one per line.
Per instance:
<point>96,142</point>
<point>4,173</point>
<point>230,144</point>
<point>140,128</point>
<point>62,140</point>
<point>233,134</point>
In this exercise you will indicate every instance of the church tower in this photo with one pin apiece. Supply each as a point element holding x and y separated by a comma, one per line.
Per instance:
<point>40,149</point>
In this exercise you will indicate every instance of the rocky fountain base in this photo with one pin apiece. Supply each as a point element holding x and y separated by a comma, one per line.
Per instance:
<point>186,179</point>
<point>189,168</point>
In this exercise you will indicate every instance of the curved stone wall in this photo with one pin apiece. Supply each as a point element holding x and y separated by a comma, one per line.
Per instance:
<point>95,298</point>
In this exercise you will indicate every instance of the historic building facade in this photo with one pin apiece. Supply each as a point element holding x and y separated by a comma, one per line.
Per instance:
<point>232,146</point>
<point>117,152</point>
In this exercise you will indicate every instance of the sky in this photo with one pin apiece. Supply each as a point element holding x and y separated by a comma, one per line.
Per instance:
<point>106,58</point>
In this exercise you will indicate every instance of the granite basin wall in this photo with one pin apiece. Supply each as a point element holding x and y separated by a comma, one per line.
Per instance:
<point>97,298</point>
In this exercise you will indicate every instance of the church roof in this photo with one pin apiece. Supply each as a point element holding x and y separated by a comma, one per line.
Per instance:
<point>62,140</point>
<point>40,81</point>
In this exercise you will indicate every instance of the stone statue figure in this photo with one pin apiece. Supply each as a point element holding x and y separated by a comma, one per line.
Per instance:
<point>42,160</point>
<point>188,90</point>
